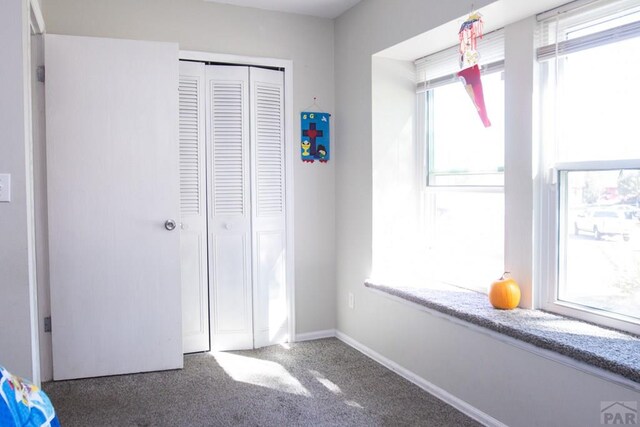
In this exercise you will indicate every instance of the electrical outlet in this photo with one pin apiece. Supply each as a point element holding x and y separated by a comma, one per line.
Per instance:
<point>5,187</point>
<point>351,300</point>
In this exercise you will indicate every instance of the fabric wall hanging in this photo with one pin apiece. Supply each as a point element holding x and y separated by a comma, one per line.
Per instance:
<point>315,139</point>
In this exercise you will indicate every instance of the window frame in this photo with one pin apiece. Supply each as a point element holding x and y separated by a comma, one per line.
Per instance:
<point>552,192</point>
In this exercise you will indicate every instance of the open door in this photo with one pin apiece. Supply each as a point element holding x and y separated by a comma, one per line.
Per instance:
<point>113,189</point>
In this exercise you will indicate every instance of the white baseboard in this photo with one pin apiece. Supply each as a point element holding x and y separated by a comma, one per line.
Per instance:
<point>433,389</point>
<point>315,335</point>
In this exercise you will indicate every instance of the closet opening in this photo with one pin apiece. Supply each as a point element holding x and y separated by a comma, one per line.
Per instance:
<point>236,202</point>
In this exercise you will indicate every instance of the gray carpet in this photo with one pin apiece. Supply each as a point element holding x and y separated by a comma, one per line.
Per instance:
<point>612,350</point>
<point>315,383</point>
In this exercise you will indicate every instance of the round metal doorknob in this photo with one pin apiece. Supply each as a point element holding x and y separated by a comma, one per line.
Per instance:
<point>170,224</point>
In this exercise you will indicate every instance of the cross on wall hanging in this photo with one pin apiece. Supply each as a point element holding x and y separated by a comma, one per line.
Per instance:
<point>315,141</point>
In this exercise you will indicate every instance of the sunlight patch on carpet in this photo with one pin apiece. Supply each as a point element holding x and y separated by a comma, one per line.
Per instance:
<point>331,386</point>
<point>353,404</point>
<point>262,373</point>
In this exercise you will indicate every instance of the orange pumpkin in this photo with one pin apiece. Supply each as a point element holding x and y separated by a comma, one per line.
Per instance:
<point>504,293</point>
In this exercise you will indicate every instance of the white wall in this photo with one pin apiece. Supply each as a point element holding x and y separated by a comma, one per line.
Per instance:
<point>511,384</point>
<point>371,26</point>
<point>15,339</point>
<point>210,27</point>
<point>395,167</point>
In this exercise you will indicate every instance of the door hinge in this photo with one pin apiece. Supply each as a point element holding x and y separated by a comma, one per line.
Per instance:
<point>47,324</point>
<point>40,73</point>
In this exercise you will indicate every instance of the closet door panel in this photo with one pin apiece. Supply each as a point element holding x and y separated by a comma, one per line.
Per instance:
<point>268,207</point>
<point>229,209</point>
<point>270,312</point>
<point>193,209</point>
<point>233,315</point>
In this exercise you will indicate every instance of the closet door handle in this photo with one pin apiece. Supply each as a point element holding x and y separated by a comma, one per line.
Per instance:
<point>228,226</point>
<point>170,224</point>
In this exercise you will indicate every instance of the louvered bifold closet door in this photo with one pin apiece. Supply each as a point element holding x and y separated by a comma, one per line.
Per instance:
<point>193,209</point>
<point>229,207</point>
<point>268,207</point>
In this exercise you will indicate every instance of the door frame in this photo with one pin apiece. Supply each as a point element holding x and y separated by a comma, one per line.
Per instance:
<point>33,24</point>
<point>290,149</point>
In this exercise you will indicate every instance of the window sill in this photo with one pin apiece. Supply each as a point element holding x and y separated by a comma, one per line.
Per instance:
<point>607,349</point>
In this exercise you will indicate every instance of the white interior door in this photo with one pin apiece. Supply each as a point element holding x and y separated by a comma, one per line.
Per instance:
<point>193,209</point>
<point>112,172</point>
<point>229,207</point>
<point>268,207</point>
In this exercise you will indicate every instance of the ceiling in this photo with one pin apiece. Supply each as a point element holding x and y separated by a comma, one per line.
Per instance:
<point>320,8</point>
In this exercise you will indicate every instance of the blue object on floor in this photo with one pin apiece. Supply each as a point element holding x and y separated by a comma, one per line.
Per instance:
<point>22,404</point>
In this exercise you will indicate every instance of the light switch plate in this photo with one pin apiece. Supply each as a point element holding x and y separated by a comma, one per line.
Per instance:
<point>5,187</point>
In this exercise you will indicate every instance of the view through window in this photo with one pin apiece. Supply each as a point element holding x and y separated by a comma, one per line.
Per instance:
<point>465,198</point>
<point>600,256</point>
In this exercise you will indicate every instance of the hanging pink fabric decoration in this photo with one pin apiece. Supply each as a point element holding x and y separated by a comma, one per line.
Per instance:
<point>470,32</point>
<point>470,78</point>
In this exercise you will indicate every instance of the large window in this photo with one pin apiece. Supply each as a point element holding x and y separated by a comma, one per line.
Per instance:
<point>592,152</point>
<point>464,175</point>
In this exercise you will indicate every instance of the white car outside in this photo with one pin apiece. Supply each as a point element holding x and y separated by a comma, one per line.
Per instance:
<point>605,222</point>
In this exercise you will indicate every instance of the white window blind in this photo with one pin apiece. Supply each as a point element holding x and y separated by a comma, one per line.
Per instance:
<point>583,25</point>
<point>441,67</point>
